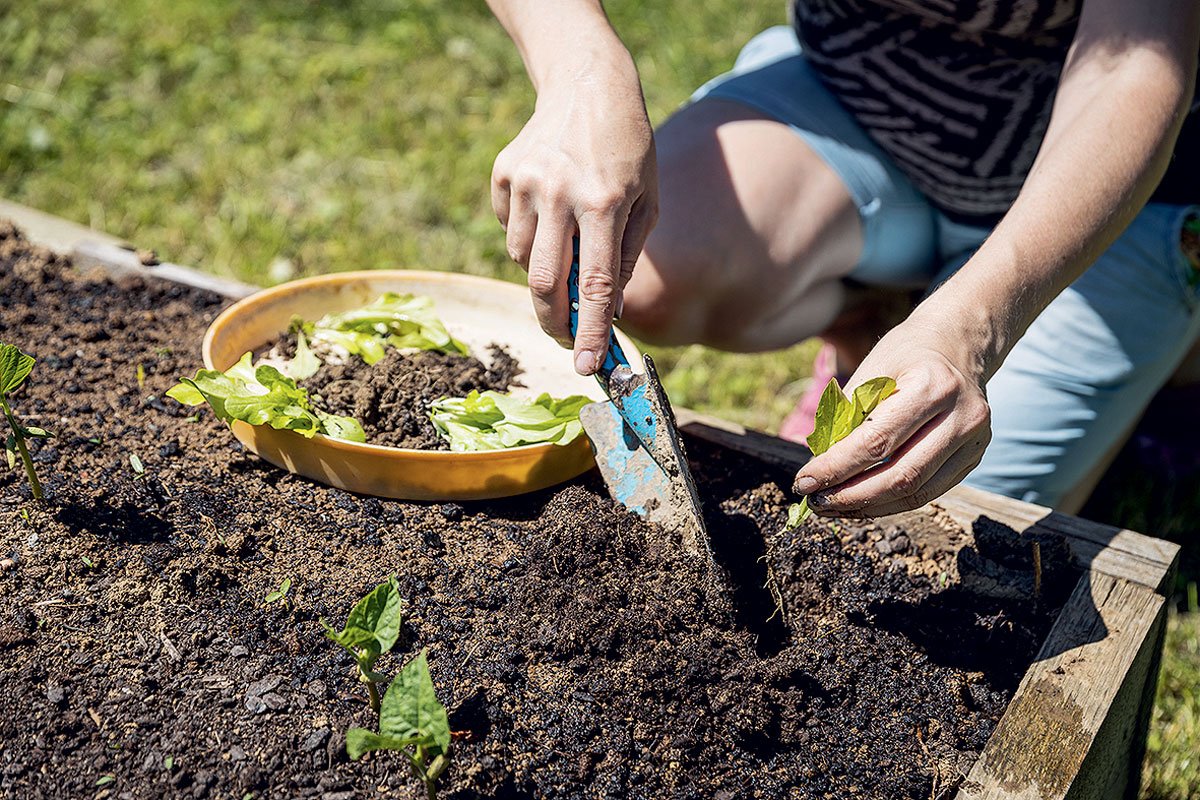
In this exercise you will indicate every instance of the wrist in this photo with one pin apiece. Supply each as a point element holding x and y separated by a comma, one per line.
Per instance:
<point>972,335</point>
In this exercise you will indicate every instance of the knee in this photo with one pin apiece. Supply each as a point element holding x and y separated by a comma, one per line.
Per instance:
<point>664,303</point>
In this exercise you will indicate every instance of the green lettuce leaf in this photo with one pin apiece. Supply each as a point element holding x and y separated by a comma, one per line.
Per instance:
<point>305,363</point>
<point>493,421</point>
<point>262,396</point>
<point>401,320</point>
<point>837,416</point>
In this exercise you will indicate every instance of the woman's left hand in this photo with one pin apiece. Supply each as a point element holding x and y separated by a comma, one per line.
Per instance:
<point>919,442</point>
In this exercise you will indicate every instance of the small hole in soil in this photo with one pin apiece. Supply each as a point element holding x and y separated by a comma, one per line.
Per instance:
<point>739,548</point>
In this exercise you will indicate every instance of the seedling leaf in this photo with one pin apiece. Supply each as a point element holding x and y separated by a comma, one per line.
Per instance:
<point>360,741</point>
<point>262,396</point>
<point>401,320</point>
<point>305,363</point>
<point>15,367</point>
<point>494,421</point>
<point>373,624</point>
<point>837,415</point>
<point>411,708</point>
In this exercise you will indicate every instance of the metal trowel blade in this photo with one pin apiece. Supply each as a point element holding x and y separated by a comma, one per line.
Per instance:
<point>640,455</point>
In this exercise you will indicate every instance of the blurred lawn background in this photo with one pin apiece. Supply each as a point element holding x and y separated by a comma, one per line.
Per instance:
<point>271,140</point>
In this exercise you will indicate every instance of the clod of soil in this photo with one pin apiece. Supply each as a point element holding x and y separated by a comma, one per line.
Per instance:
<point>581,653</point>
<point>391,398</point>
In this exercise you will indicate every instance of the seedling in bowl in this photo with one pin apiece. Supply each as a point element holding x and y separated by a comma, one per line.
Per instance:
<point>413,722</point>
<point>371,630</point>
<point>262,395</point>
<point>15,367</point>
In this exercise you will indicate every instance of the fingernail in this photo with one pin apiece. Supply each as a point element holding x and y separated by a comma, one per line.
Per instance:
<point>585,362</point>
<point>620,306</point>
<point>805,485</point>
<point>818,500</point>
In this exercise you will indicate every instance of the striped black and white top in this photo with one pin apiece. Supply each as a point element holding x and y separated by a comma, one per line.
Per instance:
<point>958,92</point>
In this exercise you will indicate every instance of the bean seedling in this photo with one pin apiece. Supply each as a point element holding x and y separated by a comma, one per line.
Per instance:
<point>371,630</point>
<point>281,593</point>
<point>837,416</point>
<point>413,722</point>
<point>15,367</point>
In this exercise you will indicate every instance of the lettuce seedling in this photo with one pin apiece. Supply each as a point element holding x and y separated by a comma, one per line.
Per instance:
<point>370,631</point>
<point>305,363</point>
<point>412,721</point>
<point>262,395</point>
<point>405,321</point>
<point>15,367</point>
<point>837,416</point>
<point>493,421</point>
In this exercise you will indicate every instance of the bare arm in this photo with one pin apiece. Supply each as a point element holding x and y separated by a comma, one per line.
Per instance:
<point>583,163</point>
<point>1121,100</point>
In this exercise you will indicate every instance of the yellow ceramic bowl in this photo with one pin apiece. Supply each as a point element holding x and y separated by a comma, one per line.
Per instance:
<point>478,311</point>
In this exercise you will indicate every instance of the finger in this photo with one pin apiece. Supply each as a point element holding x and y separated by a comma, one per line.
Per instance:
<point>599,265</point>
<point>642,218</point>
<point>501,189</point>
<point>949,475</point>
<point>904,473</point>
<point>522,226</point>
<point>549,264</point>
<point>891,425</point>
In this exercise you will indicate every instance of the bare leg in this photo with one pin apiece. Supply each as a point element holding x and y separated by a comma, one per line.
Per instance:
<point>755,236</point>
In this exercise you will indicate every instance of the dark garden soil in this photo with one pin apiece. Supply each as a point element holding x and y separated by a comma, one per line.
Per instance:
<point>579,652</point>
<point>391,398</point>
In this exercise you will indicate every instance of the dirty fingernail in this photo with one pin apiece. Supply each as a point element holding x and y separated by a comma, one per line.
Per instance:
<point>818,500</point>
<point>585,362</point>
<point>804,485</point>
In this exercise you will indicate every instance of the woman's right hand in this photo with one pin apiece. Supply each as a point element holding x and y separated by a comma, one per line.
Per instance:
<point>584,162</point>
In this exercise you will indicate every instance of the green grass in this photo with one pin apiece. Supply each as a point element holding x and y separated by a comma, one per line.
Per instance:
<point>1173,758</point>
<point>276,139</point>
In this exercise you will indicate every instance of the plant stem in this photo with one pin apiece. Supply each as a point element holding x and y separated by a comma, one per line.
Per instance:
<point>34,485</point>
<point>373,696</point>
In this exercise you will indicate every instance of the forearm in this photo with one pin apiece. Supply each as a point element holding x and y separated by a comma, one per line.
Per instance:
<point>1111,134</point>
<point>565,39</point>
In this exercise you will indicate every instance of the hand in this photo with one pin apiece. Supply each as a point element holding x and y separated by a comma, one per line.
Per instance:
<point>584,162</point>
<point>918,443</point>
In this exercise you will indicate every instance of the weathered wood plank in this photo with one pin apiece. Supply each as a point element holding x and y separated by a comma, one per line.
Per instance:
<point>58,234</point>
<point>1113,551</point>
<point>89,247</point>
<point>1069,732</point>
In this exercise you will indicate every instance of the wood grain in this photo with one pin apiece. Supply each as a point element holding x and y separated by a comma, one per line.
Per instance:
<point>1069,730</point>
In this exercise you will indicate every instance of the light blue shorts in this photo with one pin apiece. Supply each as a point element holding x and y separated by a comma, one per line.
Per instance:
<point>1077,382</point>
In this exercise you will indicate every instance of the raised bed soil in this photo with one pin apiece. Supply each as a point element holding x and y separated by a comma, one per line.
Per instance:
<point>580,653</point>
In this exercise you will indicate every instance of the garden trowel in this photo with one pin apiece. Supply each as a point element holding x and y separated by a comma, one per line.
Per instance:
<point>637,444</point>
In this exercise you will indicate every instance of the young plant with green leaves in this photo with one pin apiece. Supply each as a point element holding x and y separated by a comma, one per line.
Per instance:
<point>493,421</point>
<point>413,722</point>
<point>15,367</point>
<point>262,395</point>
<point>837,416</point>
<point>404,321</point>
<point>371,630</point>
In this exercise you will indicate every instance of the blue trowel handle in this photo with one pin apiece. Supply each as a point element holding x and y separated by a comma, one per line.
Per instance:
<point>615,356</point>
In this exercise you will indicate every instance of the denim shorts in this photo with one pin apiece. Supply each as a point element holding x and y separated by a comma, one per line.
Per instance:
<point>1075,385</point>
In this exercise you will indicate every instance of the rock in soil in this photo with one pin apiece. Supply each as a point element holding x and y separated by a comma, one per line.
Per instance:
<point>580,652</point>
